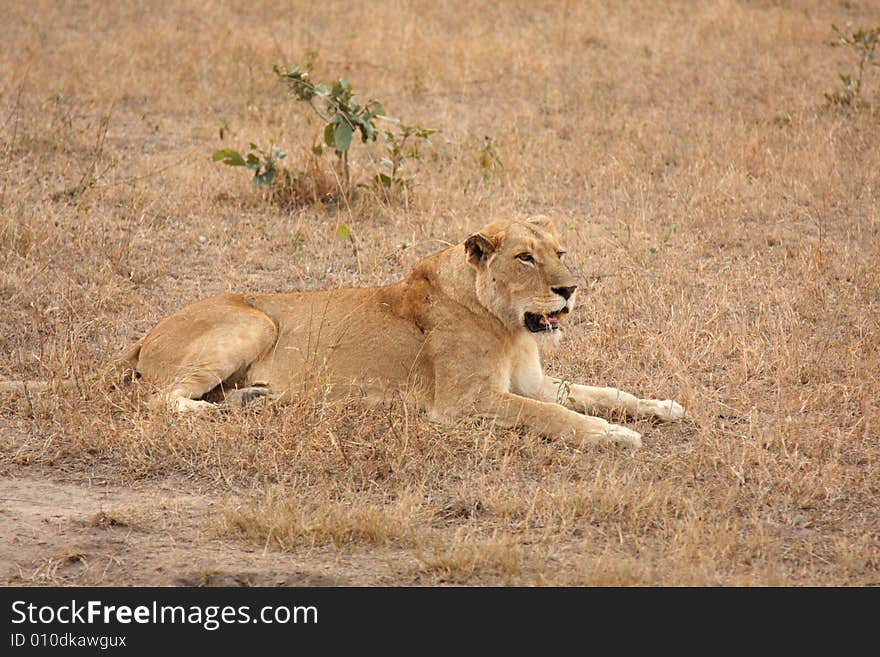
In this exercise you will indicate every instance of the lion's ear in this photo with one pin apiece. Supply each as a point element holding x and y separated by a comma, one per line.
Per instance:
<point>544,222</point>
<point>478,248</point>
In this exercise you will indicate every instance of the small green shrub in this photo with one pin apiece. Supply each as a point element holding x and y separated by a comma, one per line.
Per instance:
<point>310,184</point>
<point>397,154</point>
<point>344,118</point>
<point>865,45</point>
<point>264,164</point>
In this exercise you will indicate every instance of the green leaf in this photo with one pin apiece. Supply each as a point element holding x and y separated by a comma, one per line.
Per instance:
<point>343,232</point>
<point>264,178</point>
<point>367,132</point>
<point>342,136</point>
<point>228,156</point>
<point>384,179</point>
<point>328,135</point>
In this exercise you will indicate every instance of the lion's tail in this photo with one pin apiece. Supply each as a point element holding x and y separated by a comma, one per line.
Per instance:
<point>119,370</point>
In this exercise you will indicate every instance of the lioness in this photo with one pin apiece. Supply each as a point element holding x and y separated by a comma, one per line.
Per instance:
<point>461,333</point>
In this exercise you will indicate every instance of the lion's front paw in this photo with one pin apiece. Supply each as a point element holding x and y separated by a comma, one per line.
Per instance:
<point>623,436</point>
<point>665,409</point>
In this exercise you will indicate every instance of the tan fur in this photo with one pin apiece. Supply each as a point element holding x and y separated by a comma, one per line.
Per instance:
<point>451,334</point>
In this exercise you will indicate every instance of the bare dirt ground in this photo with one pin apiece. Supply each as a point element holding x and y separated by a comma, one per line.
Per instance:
<point>721,214</point>
<point>64,531</point>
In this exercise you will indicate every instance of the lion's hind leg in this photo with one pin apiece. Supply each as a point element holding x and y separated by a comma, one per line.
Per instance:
<point>207,345</point>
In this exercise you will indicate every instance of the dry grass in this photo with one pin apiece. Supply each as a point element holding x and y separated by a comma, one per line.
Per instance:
<point>725,218</point>
<point>285,520</point>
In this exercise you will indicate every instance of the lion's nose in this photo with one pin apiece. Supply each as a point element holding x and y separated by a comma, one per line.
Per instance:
<point>565,292</point>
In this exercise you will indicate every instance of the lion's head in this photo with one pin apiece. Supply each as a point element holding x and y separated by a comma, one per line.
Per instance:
<point>521,277</point>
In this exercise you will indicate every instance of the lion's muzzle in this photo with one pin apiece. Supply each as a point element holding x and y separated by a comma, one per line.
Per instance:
<point>537,322</point>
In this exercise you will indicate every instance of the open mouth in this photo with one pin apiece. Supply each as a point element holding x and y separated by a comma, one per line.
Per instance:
<point>547,322</point>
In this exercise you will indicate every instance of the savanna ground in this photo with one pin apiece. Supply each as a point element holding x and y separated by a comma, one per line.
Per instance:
<point>723,219</point>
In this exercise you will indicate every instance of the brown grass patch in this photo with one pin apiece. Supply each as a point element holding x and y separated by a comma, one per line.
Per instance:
<point>466,559</point>
<point>286,522</point>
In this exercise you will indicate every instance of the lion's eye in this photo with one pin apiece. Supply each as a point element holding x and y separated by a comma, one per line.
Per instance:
<point>525,257</point>
<point>560,254</point>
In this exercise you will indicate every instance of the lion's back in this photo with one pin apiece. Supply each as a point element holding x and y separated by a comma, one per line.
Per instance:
<point>342,337</point>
